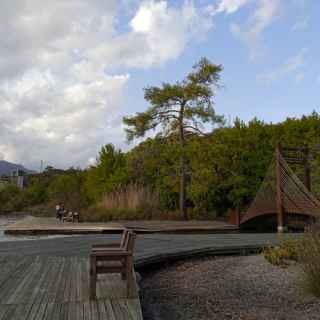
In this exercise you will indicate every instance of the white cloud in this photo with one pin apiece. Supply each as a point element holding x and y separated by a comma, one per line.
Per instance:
<point>166,30</point>
<point>158,33</point>
<point>264,15</point>
<point>61,124</point>
<point>38,33</point>
<point>92,161</point>
<point>301,24</point>
<point>227,6</point>
<point>250,32</point>
<point>58,99</point>
<point>292,67</point>
<point>143,20</point>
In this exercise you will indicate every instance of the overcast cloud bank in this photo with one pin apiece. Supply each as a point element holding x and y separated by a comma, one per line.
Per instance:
<point>60,93</point>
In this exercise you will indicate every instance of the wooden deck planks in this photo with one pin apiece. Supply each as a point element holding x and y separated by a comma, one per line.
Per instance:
<point>39,291</point>
<point>56,288</point>
<point>26,285</point>
<point>9,312</point>
<point>14,278</point>
<point>35,310</point>
<point>21,312</point>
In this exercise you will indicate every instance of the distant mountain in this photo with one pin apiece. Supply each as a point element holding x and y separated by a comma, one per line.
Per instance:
<point>6,168</point>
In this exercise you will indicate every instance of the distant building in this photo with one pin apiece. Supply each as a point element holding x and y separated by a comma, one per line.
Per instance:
<point>17,178</point>
<point>18,173</point>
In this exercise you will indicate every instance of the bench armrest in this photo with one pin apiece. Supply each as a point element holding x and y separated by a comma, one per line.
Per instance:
<point>110,249</point>
<point>106,245</point>
<point>115,254</point>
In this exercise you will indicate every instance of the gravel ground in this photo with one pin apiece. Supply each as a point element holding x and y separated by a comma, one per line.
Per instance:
<point>245,288</point>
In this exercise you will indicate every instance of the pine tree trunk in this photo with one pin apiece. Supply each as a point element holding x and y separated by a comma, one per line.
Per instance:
<point>182,195</point>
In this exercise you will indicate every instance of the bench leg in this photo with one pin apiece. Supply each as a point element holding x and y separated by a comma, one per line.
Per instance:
<point>124,269</point>
<point>130,279</point>
<point>93,277</point>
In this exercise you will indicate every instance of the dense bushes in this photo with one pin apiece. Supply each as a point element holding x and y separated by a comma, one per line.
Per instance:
<point>107,175</point>
<point>9,196</point>
<point>67,189</point>
<point>224,170</point>
<point>41,189</point>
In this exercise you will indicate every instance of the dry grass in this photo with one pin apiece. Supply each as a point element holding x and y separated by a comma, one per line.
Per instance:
<point>133,202</point>
<point>306,251</point>
<point>282,254</point>
<point>309,255</point>
<point>128,203</point>
<point>132,197</point>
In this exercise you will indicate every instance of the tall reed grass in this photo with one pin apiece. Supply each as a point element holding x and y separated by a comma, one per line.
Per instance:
<point>129,203</point>
<point>131,197</point>
<point>309,254</point>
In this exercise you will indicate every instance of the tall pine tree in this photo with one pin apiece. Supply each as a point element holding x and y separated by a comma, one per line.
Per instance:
<point>180,109</point>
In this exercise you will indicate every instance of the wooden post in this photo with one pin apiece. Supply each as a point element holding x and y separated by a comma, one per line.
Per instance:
<point>93,277</point>
<point>130,277</point>
<point>279,191</point>
<point>238,215</point>
<point>307,178</point>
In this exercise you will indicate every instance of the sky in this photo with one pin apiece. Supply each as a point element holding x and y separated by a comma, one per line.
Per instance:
<point>70,70</point>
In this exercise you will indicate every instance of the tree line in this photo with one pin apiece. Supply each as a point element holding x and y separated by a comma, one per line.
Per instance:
<point>224,169</point>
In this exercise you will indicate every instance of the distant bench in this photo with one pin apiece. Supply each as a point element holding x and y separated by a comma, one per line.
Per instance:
<point>71,217</point>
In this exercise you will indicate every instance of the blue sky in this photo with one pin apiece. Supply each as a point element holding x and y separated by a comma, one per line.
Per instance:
<point>70,70</point>
<point>247,90</point>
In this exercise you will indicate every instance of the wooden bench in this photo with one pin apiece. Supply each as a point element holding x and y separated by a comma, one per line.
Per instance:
<point>117,245</point>
<point>71,217</point>
<point>113,259</point>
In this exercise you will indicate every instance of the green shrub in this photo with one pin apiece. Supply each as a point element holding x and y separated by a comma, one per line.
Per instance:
<point>10,198</point>
<point>67,189</point>
<point>272,255</point>
<point>37,191</point>
<point>287,250</point>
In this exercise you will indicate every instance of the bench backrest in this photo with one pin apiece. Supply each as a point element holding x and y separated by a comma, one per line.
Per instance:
<point>124,237</point>
<point>130,241</point>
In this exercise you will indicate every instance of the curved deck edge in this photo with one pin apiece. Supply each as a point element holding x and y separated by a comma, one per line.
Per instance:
<point>153,260</point>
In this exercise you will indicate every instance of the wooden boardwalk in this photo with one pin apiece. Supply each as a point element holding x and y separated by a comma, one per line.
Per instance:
<point>46,287</point>
<point>148,246</point>
<point>48,279</point>
<point>36,226</point>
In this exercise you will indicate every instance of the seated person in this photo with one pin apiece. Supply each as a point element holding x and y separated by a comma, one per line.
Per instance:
<point>67,215</point>
<point>58,208</point>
